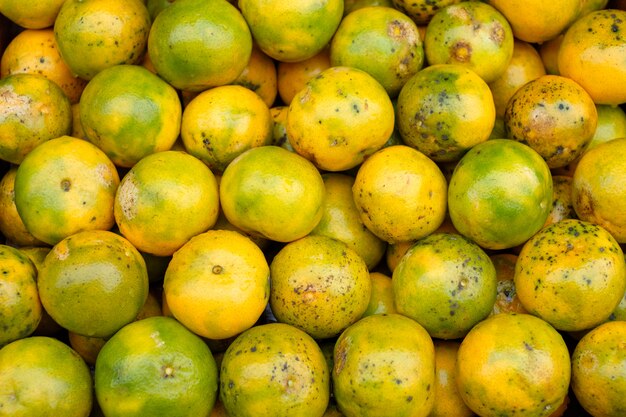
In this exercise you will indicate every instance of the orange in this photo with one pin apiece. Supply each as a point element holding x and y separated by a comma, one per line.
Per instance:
<point>87,347</point>
<point>260,76</point>
<point>598,380</point>
<point>164,200</point>
<point>471,34</point>
<point>291,32</point>
<point>593,51</point>
<point>156,6</point>
<point>611,125</point>
<point>571,274</point>
<point>319,285</point>
<point>34,110</point>
<point>293,76</point>
<point>31,14</point>
<point>598,194</point>
<point>341,220</point>
<point>20,309</point>
<point>274,193</point>
<point>513,364</point>
<point>274,370</point>
<point>422,11</point>
<point>77,127</point>
<point>155,367</point>
<point>93,283</point>
<point>339,118</point>
<point>384,365</point>
<point>446,283</point>
<point>448,401</point>
<point>42,376</point>
<point>381,41</point>
<point>352,5</point>
<point>553,115</point>
<point>562,205</point>
<point>221,123</point>
<point>96,34</point>
<point>129,113</point>
<point>507,300</point>
<point>500,194</point>
<point>537,21</point>
<point>525,65</point>
<point>198,44</point>
<point>64,186</point>
<point>588,6</point>
<point>381,297</point>
<point>549,52</point>
<point>11,224</point>
<point>279,130</point>
<point>400,194</point>
<point>444,110</point>
<point>395,252</point>
<point>35,52</point>
<point>217,284</point>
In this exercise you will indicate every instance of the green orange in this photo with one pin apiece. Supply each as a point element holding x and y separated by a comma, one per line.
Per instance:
<point>11,224</point>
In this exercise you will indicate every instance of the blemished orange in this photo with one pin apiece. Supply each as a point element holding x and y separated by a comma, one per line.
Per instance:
<point>260,76</point>
<point>422,11</point>
<point>293,76</point>
<point>217,284</point>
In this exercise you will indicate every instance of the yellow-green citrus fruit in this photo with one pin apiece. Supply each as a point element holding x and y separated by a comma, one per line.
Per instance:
<point>96,34</point>
<point>571,274</point>
<point>507,300</point>
<point>598,193</point>
<point>93,283</point>
<point>400,194</point>
<point>273,370</point>
<point>34,110</point>
<point>500,194</point>
<point>611,124</point>
<point>272,192</point>
<point>598,379</point>
<point>341,220</point>
<point>11,224</point>
<point>553,115</point>
<point>381,297</point>
<point>562,205</point>
<point>384,365</point>
<point>339,118</point>
<point>446,283</point>
<point>422,11</point>
<point>593,51</point>
<point>381,41</point>
<point>319,285</point>
<point>129,113</point>
<point>31,14</point>
<point>260,76</point>
<point>513,364</point>
<point>444,110</point>
<point>164,200</point>
<point>448,401</point>
<point>64,186</point>
<point>198,44</point>
<point>42,376</point>
<point>292,31</point>
<point>20,308</point>
<point>472,34</point>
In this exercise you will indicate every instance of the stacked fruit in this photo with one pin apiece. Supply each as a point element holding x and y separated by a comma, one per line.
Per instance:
<point>312,208</point>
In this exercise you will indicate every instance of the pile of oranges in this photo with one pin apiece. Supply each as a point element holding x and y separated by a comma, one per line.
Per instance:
<point>313,208</point>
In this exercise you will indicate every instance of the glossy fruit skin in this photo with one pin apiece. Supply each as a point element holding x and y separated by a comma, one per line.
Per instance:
<point>42,376</point>
<point>292,32</point>
<point>593,51</point>
<point>381,41</point>
<point>96,34</point>
<point>260,76</point>
<point>319,285</point>
<point>400,194</point>
<point>500,194</point>
<point>472,34</point>
<point>513,362</point>
<point>292,76</point>
<point>446,283</point>
<point>155,367</point>
<point>31,14</point>
<point>272,368</point>
<point>384,365</point>
<point>93,283</point>
<point>598,379</point>
<point>444,110</point>
<point>20,308</point>
<point>448,401</point>
<point>381,298</point>
<point>188,61</point>
<point>339,118</point>
<point>597,187</point>
<point>553,115</point>
<point>422,11</point>
<point>43,108</point>
<point>572,274</point>
<point>11,224</point>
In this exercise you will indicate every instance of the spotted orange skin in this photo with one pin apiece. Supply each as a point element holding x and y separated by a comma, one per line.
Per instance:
<point>553,115</point>
<point>422,11</point>
<point>572,274</point>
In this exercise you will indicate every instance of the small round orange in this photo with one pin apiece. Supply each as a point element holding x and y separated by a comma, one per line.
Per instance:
<point>293,76</point>
<point>11,224</point>
<point>217,284</point>
<point>448,401</point>
<point>31,14</point>
<point>549,52</point>
<point>507,300</point>
<point>260,76</point>
<point>381,298</point>
<point>422,11</point>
